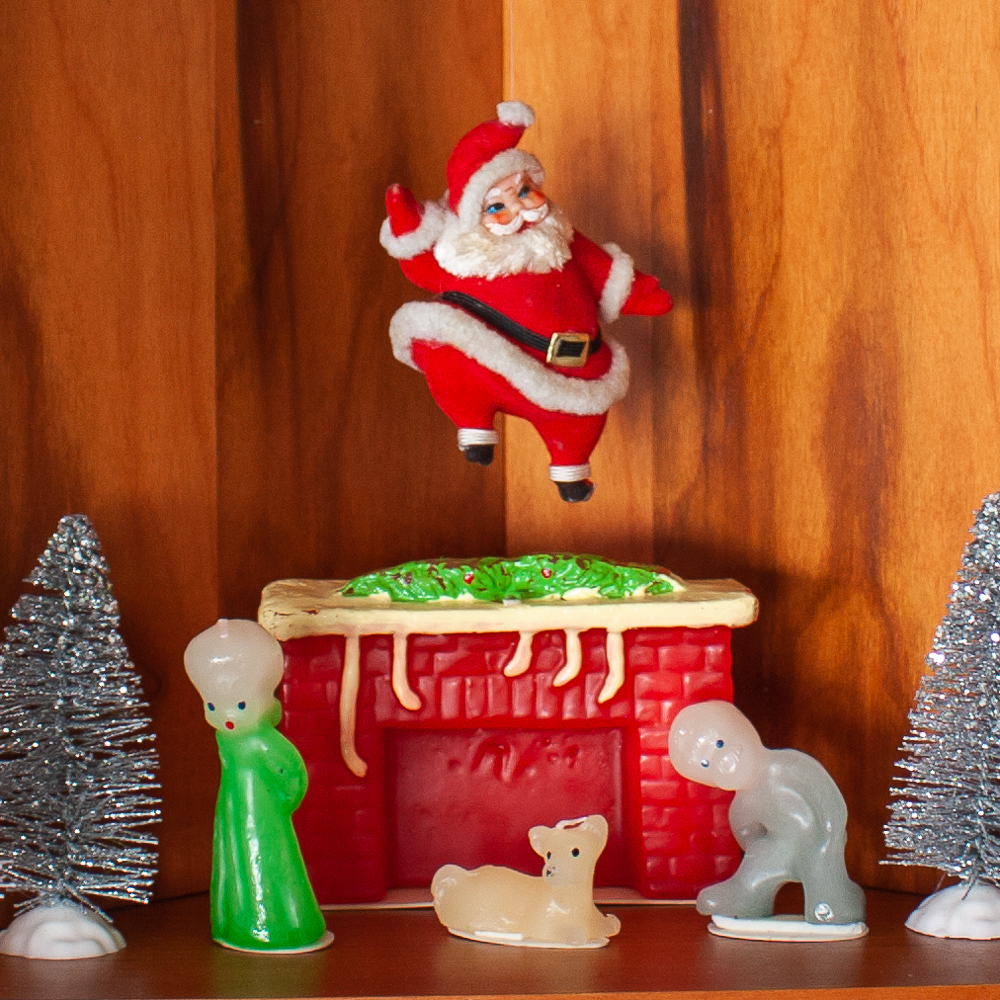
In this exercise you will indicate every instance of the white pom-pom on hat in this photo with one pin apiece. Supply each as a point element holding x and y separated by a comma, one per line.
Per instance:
<point>487,154</point>
<point>515,113</point>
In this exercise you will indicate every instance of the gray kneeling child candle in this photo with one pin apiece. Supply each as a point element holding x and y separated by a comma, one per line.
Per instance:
<point>789,818</point>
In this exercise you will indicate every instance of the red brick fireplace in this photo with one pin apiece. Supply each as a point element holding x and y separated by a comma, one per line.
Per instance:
<point>450,738</point>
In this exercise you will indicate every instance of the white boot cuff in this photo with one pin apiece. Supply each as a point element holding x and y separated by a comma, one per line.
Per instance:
<point>476,435</point>
<point>569,473</point>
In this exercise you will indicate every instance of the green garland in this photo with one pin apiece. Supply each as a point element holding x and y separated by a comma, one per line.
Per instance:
<point>496,579</point>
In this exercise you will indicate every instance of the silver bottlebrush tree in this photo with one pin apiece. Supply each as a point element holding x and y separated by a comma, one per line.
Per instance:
<point>77,766</point>
<point>946,811</point>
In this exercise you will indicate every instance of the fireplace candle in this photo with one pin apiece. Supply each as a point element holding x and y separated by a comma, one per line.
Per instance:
<point>261,898</point>
<point>443,707</point>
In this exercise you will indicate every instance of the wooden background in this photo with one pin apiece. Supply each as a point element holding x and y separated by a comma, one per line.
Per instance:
<point>193,314</point>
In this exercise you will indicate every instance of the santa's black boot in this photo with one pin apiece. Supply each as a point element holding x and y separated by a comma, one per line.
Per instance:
<point>481,454</point>
<point>576,491</point>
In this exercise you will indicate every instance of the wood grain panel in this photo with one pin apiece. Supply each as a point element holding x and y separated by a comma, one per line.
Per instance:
<point>333,459</point>
<point>843,203</point>
<point>593,76</point>
<point>199,359</point>
<point>107,368</point>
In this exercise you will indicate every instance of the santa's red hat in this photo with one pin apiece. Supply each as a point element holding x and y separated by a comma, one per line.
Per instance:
<point>486,155</point>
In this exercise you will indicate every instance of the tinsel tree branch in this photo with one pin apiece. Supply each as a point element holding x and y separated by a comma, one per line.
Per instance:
<point>946,813</point>
<point>77,767</point>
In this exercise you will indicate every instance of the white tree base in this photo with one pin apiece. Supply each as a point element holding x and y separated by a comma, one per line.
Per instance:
<point>65,930</point>
<point>959,912</point>
<point>784,928</point>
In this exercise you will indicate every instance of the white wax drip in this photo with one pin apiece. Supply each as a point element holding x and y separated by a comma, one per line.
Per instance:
<point>614,649</point>
<point>574,659</point>
<point>521,659</point>
<point>400,682</point>
<point>350,682</point>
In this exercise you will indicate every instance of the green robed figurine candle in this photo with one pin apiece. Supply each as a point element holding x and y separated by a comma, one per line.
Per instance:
<point>261,898</point>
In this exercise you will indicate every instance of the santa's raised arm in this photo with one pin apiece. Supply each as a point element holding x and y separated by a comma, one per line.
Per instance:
<point>520,295</point>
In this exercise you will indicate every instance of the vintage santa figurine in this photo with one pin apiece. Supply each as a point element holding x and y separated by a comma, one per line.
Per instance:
<point>520,296</point>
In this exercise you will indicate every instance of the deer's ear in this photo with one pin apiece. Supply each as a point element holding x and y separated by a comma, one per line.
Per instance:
<point>538,839</point>
<point>598,826</point>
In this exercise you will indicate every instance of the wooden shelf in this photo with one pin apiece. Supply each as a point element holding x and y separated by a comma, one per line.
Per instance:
<point>662,951</point>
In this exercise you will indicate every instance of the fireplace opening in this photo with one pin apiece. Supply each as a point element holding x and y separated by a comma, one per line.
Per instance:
<point>469,797</point>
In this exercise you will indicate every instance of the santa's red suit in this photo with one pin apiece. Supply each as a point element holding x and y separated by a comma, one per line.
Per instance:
<point>475,366</point>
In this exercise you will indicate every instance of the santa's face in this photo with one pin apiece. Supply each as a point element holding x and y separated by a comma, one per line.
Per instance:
<point>518,230</point>
<point>516,202</point>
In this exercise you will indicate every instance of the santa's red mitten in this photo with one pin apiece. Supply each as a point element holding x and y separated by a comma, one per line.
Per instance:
<point>647,298</point>
<point>403,209</point>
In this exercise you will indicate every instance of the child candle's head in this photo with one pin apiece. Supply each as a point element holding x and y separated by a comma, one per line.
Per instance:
<point>235,665</point>
<point>713,743</point>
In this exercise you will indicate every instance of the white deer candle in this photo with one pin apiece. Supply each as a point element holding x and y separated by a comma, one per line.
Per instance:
<point>554,910</point>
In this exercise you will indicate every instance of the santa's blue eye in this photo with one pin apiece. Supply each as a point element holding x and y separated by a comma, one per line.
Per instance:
<point>494,208</point>
<point>575,852</point>
<point>720,743</point>
<point>242,705</point>
<point>524,192</point>
<point>210,706</point>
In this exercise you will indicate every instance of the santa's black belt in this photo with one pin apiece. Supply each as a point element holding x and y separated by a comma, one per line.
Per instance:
<point>565,350</point>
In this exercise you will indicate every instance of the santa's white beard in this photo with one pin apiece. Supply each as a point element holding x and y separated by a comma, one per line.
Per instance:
<point>477,253</point>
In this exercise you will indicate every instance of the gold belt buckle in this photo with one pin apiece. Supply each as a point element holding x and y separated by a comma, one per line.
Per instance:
<point>553,357</point>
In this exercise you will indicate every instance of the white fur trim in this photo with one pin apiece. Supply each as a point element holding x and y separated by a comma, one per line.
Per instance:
<point>439,323</point>
<point>619,284</point>
<point>476,435</point>
<point>569,473</point>
<point>515,113</point>
<point>475,252</point>
<point>510,161</point>
<point>417,241</point>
